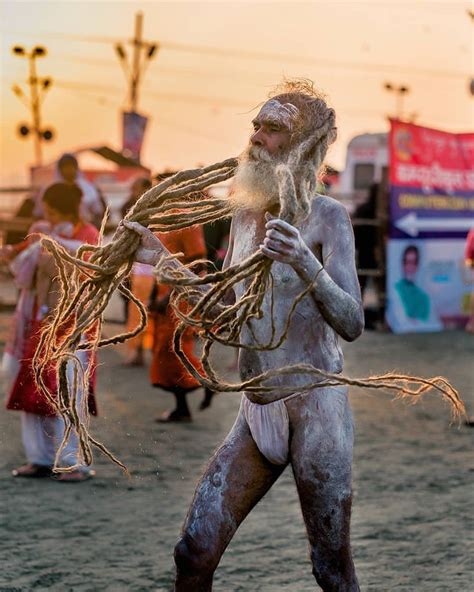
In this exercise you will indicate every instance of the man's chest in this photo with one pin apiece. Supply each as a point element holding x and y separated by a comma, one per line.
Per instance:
<point>249,235</point>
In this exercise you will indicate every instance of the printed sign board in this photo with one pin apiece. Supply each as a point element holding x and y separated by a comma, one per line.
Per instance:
<point>431,210</point>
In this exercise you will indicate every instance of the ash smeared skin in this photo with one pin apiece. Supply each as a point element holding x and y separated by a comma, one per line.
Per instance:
<point>334,306</point>
<point>237,477</point>
<point>282,114</point>
<point>321,458</point>
<point>320,422</point>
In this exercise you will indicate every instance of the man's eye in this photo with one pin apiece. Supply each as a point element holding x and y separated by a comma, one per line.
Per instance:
<point>275,128</point>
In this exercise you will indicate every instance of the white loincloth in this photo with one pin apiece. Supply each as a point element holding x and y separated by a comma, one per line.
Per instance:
<point>269,424</point>
<point>270,429</point>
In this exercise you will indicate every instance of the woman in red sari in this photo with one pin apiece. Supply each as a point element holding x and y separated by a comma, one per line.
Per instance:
<point>42,429</point>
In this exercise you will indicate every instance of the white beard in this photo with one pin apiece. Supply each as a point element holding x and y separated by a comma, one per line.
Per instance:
<point>255,184</point>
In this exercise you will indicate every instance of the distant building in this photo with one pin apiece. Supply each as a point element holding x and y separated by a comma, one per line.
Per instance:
<point>366,163</point>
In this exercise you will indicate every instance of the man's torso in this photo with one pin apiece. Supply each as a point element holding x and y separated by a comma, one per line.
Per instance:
<point>309,340</point>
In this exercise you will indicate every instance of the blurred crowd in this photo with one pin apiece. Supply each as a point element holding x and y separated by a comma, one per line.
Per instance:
<point>70,210</point>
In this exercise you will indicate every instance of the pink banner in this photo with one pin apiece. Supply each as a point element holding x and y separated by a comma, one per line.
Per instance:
<point>423,157</point>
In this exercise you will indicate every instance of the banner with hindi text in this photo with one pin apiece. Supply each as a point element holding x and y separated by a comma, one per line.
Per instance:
<point>431,210</point>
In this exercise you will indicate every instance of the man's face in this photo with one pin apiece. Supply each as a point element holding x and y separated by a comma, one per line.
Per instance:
<point>68,171</point>
<point>269,136</point>
<point>53,216</point>
<point>256,183</point>
<point>272,128</point>
<point>410,265</point>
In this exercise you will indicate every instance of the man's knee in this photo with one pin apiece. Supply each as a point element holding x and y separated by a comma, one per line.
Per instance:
<point>191,558</point>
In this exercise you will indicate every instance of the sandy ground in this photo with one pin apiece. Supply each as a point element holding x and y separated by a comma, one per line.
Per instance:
<point>413,480</point>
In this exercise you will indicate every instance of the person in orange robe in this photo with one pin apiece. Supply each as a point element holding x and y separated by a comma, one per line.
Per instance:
<point>166,370</point>
<point>141,283</point>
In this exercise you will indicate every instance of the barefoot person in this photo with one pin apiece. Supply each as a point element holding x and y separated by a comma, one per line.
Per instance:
<point>312,431</point>
<point>166,371</point>
<point>42,428</point>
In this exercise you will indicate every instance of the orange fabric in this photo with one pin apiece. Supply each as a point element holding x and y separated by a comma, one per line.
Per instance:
<point>141,289</point>
<point>189,241</point>
<point>166,370</point>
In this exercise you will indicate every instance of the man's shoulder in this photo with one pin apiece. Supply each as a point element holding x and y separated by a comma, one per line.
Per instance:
<point>327,208</point>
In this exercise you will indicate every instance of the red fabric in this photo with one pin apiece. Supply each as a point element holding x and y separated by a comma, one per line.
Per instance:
<point>86,233</point>
<point>25,396</point>
<point>469,254</point>
<point>166,370</point>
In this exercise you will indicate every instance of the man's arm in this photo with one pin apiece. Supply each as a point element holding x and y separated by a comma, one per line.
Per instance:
<point>152,250</point>
<point>336,290</point>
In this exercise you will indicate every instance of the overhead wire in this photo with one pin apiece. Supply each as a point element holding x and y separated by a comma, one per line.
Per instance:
<point>257,55</point>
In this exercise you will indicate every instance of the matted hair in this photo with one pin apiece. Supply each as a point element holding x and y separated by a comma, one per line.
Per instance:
<point>314,131</point>
<point>316,116</point>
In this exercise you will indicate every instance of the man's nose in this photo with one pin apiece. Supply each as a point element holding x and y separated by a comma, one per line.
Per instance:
<point>256,138</point>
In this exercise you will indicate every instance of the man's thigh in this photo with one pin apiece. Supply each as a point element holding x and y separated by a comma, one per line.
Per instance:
<point>237,477</point>
<point>321,458</point>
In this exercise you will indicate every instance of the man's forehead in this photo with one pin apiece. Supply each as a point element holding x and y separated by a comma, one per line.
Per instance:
<point>273,111</point>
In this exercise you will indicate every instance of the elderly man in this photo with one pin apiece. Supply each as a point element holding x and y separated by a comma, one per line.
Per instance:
<point>313,430</point>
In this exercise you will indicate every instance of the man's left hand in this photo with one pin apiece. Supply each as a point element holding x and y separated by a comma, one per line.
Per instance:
<point>283,242</point>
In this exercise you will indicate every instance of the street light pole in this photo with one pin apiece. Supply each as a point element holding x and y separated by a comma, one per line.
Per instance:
<point>134,71</point>
<point>35,108</point>
<point>137,47</point>
<point>37,86</point>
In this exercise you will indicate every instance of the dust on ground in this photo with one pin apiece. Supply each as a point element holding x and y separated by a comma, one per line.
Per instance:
<point>413,481</point>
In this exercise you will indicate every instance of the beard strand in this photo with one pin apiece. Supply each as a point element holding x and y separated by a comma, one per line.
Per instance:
<point>255,184</point>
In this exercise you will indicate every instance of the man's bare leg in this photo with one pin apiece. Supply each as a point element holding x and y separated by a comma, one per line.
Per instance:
<point>321,457</point>
<point>237,477</point>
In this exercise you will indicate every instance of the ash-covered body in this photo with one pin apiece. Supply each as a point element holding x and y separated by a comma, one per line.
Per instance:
<point>312,431</point>
<point>310,338</point>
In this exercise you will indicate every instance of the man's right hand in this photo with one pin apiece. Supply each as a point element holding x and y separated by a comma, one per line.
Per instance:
<point>151,248</point>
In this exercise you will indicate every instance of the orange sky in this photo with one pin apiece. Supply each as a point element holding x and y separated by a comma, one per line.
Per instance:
<point>200,101</point>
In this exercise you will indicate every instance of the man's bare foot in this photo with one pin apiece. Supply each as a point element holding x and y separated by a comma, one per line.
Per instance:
<point>174,417</point>
<point>33,471</point>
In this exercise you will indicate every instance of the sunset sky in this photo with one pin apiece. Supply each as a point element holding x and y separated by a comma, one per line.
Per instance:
<point>219,60</point>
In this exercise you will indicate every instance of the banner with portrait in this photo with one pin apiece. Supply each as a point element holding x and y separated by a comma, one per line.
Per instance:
<point>431,210</point>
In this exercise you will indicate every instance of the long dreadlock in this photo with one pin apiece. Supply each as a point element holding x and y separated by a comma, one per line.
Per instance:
<point>175,203</point>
